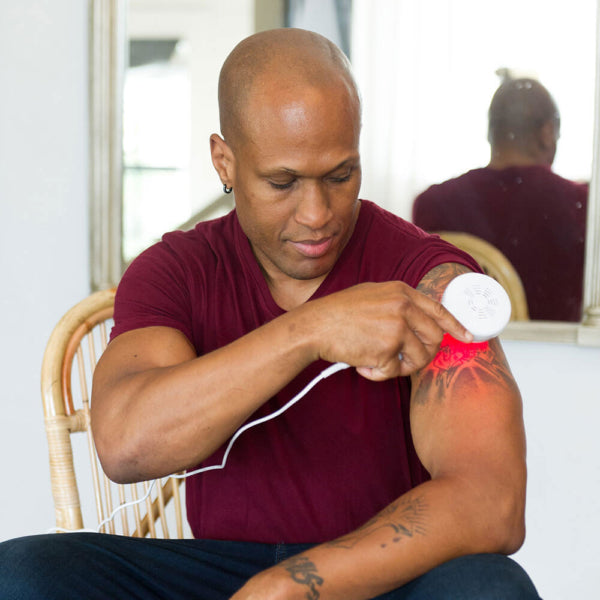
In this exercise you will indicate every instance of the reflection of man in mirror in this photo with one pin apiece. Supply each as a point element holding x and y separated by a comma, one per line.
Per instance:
<point>532,215</point>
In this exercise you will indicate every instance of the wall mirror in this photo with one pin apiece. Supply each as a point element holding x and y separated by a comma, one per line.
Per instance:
<point>154,69</point>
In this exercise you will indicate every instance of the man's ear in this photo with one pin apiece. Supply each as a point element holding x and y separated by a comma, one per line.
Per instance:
<point>547,139</point>
<point>222,159</point>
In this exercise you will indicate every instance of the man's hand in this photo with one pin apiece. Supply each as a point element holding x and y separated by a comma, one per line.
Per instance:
<point>384,329</point>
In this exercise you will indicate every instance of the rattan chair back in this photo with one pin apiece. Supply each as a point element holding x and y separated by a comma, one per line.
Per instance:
<point>68,364</point>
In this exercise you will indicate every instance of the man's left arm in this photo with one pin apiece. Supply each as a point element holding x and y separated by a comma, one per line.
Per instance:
<point>467,426</point>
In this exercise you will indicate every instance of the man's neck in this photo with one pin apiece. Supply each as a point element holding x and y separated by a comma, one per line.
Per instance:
<point>290,294</point>
<point>502,159</point>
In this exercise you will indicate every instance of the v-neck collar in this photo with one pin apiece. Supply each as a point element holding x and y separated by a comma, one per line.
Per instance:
<point>249,261</point>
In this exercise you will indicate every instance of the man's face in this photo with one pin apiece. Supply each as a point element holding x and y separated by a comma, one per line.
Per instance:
<point>296,180</point>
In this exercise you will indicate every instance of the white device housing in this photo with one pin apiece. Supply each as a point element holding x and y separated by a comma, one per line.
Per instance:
<point>479,303</point>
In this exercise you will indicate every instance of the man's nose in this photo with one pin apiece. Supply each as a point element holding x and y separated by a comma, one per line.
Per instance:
<point>313,209</point>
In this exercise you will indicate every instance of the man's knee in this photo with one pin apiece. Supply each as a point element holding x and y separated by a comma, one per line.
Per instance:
<point>481,576</point>
<point>29,564</point>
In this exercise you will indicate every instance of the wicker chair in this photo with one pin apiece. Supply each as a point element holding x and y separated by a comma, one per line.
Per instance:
<point>494,264</point>
<point>74,346</point>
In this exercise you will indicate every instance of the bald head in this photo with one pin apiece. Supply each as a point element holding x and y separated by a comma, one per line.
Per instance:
<point>278,61</point>
<point>519,110</point>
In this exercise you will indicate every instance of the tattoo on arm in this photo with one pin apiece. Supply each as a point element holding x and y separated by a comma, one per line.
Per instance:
<point>457,363</point>
<point>402,519</point>
<point>304,572</point>
<point>434,283</point>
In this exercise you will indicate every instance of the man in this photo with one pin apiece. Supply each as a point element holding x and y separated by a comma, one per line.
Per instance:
<point>536,218</point>
<point>329,500</point>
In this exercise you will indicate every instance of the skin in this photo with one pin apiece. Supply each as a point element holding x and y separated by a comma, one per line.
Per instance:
<point>524,125</point>
<point>292,158</point>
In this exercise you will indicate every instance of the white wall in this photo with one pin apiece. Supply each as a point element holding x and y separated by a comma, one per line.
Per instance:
<point>561,400</point>
<point>44,258</point>
<point>44,220</point>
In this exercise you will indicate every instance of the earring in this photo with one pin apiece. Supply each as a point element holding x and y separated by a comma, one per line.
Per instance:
<point>226,189</point>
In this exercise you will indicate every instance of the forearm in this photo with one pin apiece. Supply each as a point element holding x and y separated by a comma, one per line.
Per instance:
<point>156,421</point>
<point>435,522</point>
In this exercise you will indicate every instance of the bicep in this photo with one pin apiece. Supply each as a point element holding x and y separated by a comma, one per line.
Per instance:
<point>466,414</point>
<point>465,405</point>
<point>138,351</point>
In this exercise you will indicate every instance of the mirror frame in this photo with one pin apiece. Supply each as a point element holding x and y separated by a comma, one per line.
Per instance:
<point>107,61</point>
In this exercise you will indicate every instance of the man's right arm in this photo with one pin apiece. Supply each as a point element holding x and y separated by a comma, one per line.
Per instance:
<point>157,408</point>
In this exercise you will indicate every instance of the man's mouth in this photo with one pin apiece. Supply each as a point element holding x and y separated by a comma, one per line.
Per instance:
<point>313,248</point>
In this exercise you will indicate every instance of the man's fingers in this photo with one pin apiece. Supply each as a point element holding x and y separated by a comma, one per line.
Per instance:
<point>443,318</point>
<point>412,356</point>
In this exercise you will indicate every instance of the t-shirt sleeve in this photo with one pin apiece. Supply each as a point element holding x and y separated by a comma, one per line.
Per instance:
<point>431,252</point>
<point>153,292</point>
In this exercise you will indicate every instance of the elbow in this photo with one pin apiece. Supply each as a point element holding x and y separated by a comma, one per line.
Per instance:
<point>127,452</point>
<point>514,530</point>
<point>509,536</point>
<point>492,514</point>
<point>112,460</point>
<point>119,445</point>
<point>113,468</point>
<point>115,452</point>
<point>504,532</point>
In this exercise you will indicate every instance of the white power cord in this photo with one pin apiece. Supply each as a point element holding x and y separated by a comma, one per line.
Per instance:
<point>323,375</point>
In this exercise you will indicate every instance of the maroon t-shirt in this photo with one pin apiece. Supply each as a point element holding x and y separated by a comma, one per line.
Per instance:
<point>340,454</point>
<point>536,218</point>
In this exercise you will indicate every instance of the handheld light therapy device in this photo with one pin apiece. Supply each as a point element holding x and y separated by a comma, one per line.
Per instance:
<point>479,303</point>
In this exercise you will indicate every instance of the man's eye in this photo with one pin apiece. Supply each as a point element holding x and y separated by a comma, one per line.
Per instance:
<point>281,186</point>
<point>341,179</point>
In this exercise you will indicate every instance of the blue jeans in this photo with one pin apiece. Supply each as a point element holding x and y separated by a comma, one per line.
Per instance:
<point>90,566</point>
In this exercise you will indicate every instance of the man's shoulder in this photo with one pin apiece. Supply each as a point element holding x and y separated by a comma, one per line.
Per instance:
<point>214,231</point>
<point>394,248</point>
<point>182,252</point>
<point>382,221</point>
<point>206,238</point>
<point>465,180</point>
<point>553,178</point>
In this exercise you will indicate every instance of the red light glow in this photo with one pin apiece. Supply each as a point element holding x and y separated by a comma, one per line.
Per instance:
<point>454,353</point>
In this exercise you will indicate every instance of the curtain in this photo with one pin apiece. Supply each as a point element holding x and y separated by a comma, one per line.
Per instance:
<point>427,71</point>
